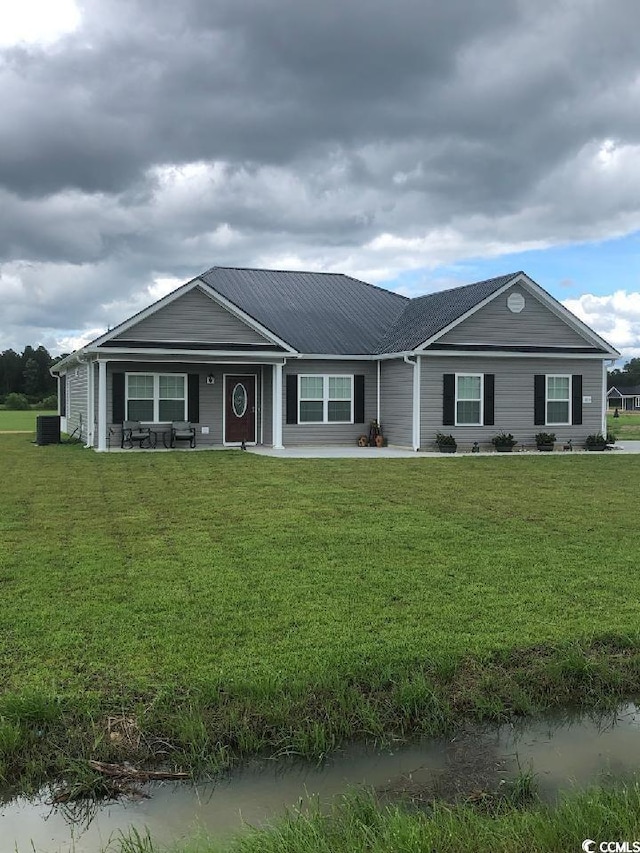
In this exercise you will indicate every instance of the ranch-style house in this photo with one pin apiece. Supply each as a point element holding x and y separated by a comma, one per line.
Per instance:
<point>275,358</point>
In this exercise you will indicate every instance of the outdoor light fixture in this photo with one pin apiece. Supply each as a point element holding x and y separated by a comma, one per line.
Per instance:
<point>210,379</point>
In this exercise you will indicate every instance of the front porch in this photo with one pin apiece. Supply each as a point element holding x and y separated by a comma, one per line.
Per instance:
<point>230,404</point>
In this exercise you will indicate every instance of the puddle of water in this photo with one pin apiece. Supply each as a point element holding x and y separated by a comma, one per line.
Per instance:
<point>562,753</point>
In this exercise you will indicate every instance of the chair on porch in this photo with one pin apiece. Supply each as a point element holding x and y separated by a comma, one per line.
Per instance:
<point>133,431</point>
<point>183,431</point>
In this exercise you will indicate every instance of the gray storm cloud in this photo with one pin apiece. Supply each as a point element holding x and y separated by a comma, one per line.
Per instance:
<point>159,139</point>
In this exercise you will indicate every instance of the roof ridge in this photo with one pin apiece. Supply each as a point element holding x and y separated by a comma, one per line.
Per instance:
<point>470,284</point>
<point>311,272</point>
<point>274,269</point>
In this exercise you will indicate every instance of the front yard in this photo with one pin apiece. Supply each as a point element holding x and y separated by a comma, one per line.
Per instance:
<point>229,603</point>
<point>626,425</point>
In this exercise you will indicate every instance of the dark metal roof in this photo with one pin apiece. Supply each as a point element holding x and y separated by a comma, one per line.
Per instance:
<point>313,312</point>
<point>424,316</point>
<point>626,390</point>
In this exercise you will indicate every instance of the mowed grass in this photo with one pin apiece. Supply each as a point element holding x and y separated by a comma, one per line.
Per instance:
<point>11,421</point>
<point>626,425</point>
<point>232,603</point>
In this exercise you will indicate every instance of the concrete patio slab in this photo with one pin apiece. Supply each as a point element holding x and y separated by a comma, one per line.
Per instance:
<point>406,452</point>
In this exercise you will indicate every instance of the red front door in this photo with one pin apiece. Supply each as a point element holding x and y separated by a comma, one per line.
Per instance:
<point>240,409</point>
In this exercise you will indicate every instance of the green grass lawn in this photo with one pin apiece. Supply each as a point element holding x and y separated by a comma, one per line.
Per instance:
<point>627,425</point>
<point>11,421</point>
<point>232,602</point>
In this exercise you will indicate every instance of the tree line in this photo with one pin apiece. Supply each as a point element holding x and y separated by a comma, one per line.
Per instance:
<point>27,373</point>
<point>627,376</point>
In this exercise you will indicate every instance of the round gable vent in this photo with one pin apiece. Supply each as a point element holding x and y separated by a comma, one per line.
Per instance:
<point>515,302</point>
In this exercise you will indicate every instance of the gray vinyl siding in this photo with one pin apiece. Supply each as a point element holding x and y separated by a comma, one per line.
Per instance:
<point>193,317</point>
<point>535,325</point>
<point>318,434</point>
<point>396,402</point>
<point>513,398</point>
<point>77,382</point>
<point>211,395</point>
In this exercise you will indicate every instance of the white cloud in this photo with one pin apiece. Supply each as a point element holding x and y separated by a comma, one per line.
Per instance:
<point>69,343</point>
<point>615,317</point>
<point>36,21</point>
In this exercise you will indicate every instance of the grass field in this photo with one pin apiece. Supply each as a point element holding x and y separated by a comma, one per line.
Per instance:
<point>627,425</point>
<point>11,421</point>
<point>222,603</point>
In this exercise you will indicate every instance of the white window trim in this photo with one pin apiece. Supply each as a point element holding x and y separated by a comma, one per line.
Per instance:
<point>457,399</point>
<point>637,402</point>
<point>156,394</point>
<point>547,377</point>
<point>325,397</point>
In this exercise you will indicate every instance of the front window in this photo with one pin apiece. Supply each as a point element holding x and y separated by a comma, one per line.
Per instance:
<point>325,399</point>
<point>558,400</point>
<point>156,397</point>
<point>469,399</point>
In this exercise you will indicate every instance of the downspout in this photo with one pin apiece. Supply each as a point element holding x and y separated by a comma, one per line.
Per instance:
<point>415,421</point>
<point>378,394</point>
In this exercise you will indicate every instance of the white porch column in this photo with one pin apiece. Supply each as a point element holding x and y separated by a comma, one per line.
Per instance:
<point>604,396</point>
<point>102,405</point>
<point>277,406</point>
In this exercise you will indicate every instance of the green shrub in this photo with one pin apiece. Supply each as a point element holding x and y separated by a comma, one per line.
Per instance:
<point>443,440</point>
<point>49,403</point>
<point>16,402</point>
<point>503,439</point>
<point>545,438</point>
<point>596,439</point>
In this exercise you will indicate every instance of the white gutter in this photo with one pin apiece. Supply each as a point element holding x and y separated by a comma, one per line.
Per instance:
<point>415,424</point>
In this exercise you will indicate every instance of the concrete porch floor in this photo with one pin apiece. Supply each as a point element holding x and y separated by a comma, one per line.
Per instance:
<point>406,453</point>
<point>328,452</point>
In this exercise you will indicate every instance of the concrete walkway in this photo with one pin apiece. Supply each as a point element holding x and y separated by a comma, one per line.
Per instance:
<point>407,453</point>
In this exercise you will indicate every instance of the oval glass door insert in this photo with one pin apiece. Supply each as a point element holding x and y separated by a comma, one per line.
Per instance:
<point>239,400</point>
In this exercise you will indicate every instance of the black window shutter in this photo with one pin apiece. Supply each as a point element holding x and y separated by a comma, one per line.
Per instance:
<point>292,398</point>
<point>576,398</point>
<point>539,392</point>
<point>489,399</point>
<point>358,398</point>
<point>448,399</point>
<point>193,398</point>
<point>117,402</point>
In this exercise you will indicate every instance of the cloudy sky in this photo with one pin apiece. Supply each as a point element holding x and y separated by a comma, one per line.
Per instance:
<point>418,144</point>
